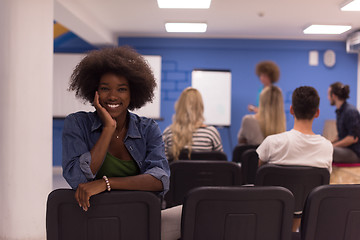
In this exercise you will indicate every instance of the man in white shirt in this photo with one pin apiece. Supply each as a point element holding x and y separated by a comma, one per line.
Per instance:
<point>300,146</point>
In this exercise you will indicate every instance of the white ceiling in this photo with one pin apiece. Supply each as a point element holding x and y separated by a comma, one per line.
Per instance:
<point>101,22</point>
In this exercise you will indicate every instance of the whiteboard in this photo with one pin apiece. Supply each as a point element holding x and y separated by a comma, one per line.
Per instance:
<point>215,88</point>
<point>65,102</point>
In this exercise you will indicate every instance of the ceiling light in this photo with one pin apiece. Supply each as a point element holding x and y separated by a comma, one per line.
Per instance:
<point>184,3</point>
<point>326,29</point>
<point>351,6</point>
<point>185,27</point>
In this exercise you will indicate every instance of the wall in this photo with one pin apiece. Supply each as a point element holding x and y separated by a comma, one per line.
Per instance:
<point>181,56</point>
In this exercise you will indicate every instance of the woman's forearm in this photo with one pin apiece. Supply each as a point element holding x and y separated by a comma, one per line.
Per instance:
<point>100,148</point>
<point>144,182</point>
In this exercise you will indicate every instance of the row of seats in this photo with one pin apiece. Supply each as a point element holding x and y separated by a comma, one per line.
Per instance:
<point>242,154</point>
<point>250,213</point>
<point>186,175</point>
<point>237,154</point>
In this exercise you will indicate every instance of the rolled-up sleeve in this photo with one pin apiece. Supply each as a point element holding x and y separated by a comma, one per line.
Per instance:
<point>76,156</point>
<point>353,123</point>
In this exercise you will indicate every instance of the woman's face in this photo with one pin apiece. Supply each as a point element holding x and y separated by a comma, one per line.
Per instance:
<point>114,94</point>
<point>264,79</point>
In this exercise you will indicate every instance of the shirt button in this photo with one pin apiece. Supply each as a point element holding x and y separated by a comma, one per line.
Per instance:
<point>130,148</point>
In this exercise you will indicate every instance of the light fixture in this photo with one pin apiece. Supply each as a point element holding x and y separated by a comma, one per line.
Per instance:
<point>353,5</point>
<point>326,29</point>
<point>184,3</point>
<point>185,27</point>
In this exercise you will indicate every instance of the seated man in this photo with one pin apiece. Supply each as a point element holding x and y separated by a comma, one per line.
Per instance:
<point>300,146</point>
<point>346,146</point>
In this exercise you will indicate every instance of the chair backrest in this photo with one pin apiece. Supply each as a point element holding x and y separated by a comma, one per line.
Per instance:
<point>186,175</point>
<point>239,150</point>
<point>332,212</point>
<point>249,213</point>
<point>112,215</point>
<point>299,180</point>
<point>249,166</point>
<point>206,155</point>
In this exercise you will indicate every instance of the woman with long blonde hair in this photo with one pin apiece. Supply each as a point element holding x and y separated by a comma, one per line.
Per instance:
<point>270,118</point>
<point>188,130</point>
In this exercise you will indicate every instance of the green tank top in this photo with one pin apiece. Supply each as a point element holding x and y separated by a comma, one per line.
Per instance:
<point>114,167</point>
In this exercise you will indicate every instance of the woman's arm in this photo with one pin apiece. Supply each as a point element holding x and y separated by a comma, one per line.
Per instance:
<point>142,182</point>
<point>100,148</point>
<point>82,159</point>
<point>154,168</point>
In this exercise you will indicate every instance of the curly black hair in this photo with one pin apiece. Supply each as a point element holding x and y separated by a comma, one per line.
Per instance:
<point>122,61</point>
<point>340,90</point>
<point>270,69</point>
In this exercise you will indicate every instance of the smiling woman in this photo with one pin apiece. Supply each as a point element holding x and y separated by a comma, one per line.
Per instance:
<point>113,148</point>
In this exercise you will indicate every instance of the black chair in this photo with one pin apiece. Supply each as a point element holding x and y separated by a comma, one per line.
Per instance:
<point>206,155</point>
<point>112,215</point>
<point>249,166</point>
<point>332,212</point>
<point>251,213</point>
<point>186,175</point>
<point>299,180</point>
<point>239,150</point>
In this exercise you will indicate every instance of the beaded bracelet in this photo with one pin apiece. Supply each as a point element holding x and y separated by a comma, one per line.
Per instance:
<point>107,183</point>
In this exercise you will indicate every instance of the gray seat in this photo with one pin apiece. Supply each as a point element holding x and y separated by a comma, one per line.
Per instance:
<point>299,180</point>
<point>249,166</point>
<point>186,175</point>
<point>112,216</point>
<point>239,150</point>
<point>250,213</point>
<point>332,212</point>
<point>201,155</point>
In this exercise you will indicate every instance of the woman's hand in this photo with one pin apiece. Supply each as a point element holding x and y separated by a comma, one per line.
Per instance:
<point>86,190</point>
<point>252,108</point>
<point>104,115</point>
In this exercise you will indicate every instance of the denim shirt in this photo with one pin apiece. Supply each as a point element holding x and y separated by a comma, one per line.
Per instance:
<point>143,141</point>
<point>348,124</point>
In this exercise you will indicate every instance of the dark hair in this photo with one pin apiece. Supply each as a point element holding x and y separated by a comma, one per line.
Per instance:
<point>305,102</point>
<point>340,90</point>
<point>270,69</point>
<point>121,61</point>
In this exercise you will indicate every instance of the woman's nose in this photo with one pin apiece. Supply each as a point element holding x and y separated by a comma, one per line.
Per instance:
<point>113,95</point>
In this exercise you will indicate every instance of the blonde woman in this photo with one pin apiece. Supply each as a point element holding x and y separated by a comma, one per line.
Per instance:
<point>188,130</point>
<point>270,119</point>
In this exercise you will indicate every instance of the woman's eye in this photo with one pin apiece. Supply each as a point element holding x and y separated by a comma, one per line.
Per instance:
<point>122,89</point>
<point>104,89</point>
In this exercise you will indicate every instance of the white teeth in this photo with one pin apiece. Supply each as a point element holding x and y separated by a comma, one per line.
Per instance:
<point>113,105</point>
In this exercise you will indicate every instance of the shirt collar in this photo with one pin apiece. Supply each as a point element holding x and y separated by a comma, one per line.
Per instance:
<point>96,122</point>
<point>133,130</point>
<point>341,109</point>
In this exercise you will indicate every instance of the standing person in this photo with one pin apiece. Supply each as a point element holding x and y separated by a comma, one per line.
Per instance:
<point>346,146</point>
<point>188,130</point>
<point>268,73</point>
<point>112,148</point>
<point>270,118</point>
<point>300,146</point>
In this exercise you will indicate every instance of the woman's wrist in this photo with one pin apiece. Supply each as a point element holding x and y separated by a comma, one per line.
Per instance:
<point>107,183</point>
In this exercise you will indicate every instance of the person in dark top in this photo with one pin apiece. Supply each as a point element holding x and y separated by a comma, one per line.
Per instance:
<point>347,145</point>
